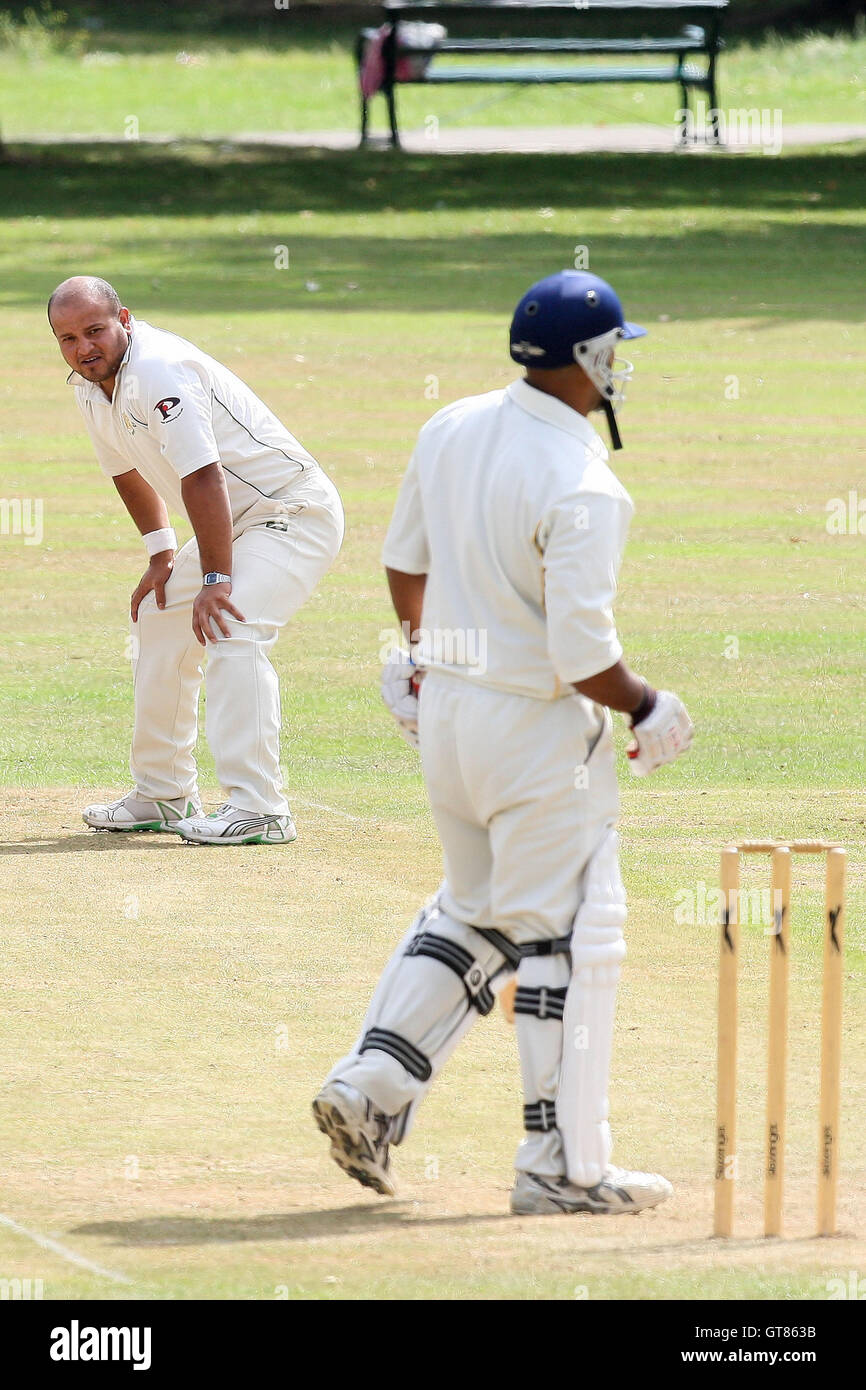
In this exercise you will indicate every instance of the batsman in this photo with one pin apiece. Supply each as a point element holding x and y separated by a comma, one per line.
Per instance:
<point>510,527</point>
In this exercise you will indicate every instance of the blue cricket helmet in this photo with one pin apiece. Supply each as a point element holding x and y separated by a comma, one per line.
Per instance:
<point>570,317</point>
<point>562,311</point>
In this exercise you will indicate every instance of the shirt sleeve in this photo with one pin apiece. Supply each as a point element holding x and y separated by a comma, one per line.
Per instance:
<point>582,540</point>
<point>180,418</point>
<point>406,546</point>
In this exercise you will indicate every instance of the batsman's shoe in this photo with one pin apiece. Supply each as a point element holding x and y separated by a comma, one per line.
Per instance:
<point>133,812</point>
<point>232,826</point>
<point>358,1133</point>
<point>618,1192</point>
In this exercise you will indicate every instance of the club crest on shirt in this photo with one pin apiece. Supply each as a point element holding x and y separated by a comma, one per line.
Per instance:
<point>169,408</point>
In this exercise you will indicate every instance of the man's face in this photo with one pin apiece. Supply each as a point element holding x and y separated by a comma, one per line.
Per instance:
<point>93,341</point>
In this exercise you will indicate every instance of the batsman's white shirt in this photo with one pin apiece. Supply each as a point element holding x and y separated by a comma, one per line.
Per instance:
<point>174,410</point>
<point>509,507</point>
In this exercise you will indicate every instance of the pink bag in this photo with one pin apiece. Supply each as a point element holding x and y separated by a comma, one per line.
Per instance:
<point>373,64</point>
<point>410,65</point>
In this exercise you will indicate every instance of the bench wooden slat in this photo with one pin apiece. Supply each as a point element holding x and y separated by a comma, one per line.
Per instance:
<point>675,45</point>
<point>398,6</point>
<point>444,76</point>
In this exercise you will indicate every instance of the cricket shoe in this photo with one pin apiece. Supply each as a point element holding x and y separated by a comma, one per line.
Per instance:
<point>358,1133</point>
<point>133,812</point>
<point>232,826</point>
<point>618,1192</point>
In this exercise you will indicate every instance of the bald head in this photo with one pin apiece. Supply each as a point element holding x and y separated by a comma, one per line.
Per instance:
<point>84,290</point>
<point>92,328</point>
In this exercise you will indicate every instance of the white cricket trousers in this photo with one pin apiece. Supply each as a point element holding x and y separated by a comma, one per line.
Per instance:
<point>522,792</point>
<point>524,796</point>
<point>274,570</point>
<point>525,799</point>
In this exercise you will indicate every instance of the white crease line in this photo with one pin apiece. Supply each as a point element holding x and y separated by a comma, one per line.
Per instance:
<point>63,1251</point>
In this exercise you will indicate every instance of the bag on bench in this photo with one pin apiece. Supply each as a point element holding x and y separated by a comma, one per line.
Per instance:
<point>410,65</point>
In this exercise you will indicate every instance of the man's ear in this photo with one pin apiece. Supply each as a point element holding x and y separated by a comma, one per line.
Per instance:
<point>124,316</point>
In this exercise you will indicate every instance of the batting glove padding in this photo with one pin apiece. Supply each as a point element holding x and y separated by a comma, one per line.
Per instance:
<point>399,684</point>
<point>662,736</point>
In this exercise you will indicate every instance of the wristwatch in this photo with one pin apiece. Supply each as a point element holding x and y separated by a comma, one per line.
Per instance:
<point>214,578</point>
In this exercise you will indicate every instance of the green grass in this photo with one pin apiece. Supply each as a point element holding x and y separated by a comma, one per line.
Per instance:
<point>290,85</point>
<point>742,270</point>
<point>153,1034</point>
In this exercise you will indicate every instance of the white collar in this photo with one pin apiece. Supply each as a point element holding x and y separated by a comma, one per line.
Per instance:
<point>555,412</point>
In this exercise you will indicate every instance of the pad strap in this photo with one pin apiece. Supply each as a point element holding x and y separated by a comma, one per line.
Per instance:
<point>540,1116</point>
<point>554,946</point>
<point>405,1052</point>
<point>508,948</point>
<point>514,954</point>
<point>471,972</point>
<point>542,1002</point>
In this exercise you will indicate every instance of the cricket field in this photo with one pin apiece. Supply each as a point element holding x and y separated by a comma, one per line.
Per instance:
<point>167,1012</point>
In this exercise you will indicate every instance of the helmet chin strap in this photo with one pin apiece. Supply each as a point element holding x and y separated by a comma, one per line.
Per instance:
<point>612,425</point>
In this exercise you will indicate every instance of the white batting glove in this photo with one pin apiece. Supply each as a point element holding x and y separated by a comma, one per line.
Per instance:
<point>662,736</point>
<point>399,684</point>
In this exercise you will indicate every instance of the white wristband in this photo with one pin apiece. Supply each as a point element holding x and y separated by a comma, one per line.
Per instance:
<point>155,541</point>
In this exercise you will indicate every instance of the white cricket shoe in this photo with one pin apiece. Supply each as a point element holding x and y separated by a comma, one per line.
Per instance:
<point>133,812</point>
<point>618,1192</point>
<point>358,1133</point>
<point>232,826</point>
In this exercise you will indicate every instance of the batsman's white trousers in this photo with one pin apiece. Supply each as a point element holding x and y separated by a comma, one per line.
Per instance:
<point>274,570</point>
<point>522,793</point>
<point>525,799</point>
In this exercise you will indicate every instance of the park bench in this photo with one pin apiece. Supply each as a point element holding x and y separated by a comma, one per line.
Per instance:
<point>405,56</point>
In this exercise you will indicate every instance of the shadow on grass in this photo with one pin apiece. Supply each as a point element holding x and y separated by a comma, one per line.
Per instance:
<point>300,1225</point>
<point>781,228</point>
<point>200,178</point>
<point>92,842</point>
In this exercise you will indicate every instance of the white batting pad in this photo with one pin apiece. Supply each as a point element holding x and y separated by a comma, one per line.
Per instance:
<point>419,1012</point>
<point>597,951</point>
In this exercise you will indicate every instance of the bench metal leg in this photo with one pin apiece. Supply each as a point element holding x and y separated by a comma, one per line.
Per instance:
<point>684,89</point>
<point>365,111</point>
<point>713,47</point>
<point>389,54</point>
<point>711,88</point>
<point>392,116</point>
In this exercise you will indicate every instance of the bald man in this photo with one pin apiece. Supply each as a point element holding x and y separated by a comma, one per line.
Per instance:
<point>175,430</point>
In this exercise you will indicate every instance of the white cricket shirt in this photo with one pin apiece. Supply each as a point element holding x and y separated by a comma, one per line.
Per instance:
<point>510,509</point>
<point>175,410</point>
